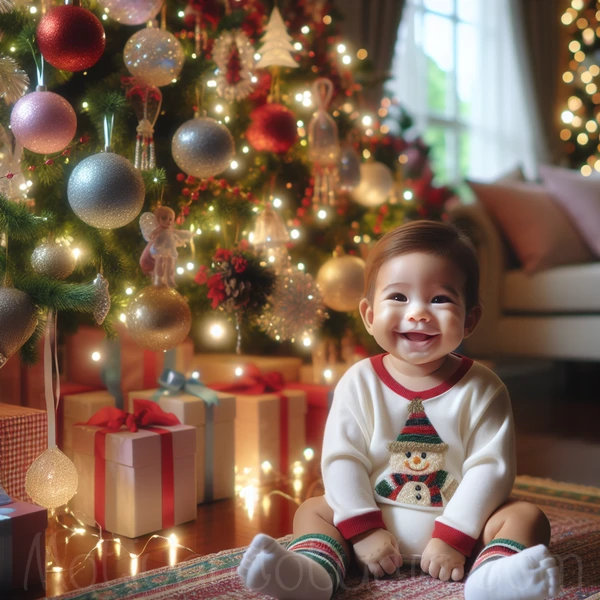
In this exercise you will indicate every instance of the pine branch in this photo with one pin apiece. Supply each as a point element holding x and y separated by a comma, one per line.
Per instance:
<point>58,296</point>
<point>19,223</point>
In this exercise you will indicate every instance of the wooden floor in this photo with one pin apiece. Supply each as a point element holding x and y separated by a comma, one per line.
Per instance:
<point>557,416</point>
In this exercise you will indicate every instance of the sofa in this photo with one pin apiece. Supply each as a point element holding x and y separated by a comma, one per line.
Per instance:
<point>550,313</point>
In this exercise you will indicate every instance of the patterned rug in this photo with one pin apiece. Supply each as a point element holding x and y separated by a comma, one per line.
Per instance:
<point>574,512</point>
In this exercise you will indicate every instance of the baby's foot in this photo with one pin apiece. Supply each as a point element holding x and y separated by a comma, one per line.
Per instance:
<point>528,575</point>
<point>267,567</point>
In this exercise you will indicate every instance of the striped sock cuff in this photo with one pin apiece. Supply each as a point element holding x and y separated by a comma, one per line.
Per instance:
<point>324,550</point>
<point>498,548</point>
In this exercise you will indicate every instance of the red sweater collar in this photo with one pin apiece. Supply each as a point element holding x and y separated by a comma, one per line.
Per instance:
<point>386,377</point>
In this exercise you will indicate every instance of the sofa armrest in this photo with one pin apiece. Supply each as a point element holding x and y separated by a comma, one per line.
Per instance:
<point>475,222</point>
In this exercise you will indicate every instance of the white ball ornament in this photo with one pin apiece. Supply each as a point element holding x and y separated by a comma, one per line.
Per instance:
<point>131,12</point>
<point>341,280</point>
<point>376,185</point>
<point>106,191</point>
<point>202,147</point>
<point>154,55</point>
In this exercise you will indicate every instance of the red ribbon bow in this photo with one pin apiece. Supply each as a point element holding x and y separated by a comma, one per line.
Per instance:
<point>145,414</point>
<point>252,382</point>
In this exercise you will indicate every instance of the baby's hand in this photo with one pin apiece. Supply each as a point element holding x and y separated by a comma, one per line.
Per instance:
<point>442,561</point>
<point>378,550</point>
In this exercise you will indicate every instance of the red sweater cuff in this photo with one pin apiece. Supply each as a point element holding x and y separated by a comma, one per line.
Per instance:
<point>453,537</point>
<point>356,525</point>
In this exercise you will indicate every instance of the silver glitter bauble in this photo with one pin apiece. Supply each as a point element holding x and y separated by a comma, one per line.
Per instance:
<point>341,280</point>
<point>202,147</point>
<point>106,191</point>
<point>53,260</point>
<point>102,299</point>
<point>376,185</point>
<point>131,12</point>
<point>296,308</point>
<point>18,320</point>
<point>52,479</point>
<point>158,318</point>
<point>154,55</point>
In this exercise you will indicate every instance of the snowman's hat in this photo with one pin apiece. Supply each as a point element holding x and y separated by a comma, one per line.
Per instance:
<point>418,433</point>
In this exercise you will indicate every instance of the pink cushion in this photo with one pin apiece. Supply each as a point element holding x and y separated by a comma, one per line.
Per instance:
<point>540,233</point>
<point>579,196</point>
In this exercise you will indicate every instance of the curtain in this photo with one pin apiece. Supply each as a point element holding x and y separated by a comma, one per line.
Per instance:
<point>373,25</point>
<point>537,26</point>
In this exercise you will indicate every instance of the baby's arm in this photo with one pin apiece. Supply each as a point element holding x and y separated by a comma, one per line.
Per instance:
<point>346,468</point>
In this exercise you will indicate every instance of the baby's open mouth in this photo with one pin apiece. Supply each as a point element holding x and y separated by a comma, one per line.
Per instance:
<point>415,336</point>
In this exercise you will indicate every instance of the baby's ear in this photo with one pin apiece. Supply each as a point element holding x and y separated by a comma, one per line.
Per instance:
<point>472,319</point>
<point>366,312</point>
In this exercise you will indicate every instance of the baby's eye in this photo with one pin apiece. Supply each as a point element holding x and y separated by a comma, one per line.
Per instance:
<point>398,297</point>
<point>440,300</point>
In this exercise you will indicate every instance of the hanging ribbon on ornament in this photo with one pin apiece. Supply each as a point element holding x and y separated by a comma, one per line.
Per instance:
<point>146,101</point>
<point>323,145</point>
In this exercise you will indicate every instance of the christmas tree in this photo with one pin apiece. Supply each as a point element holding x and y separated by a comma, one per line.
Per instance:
<point>241,177</point>
<point>581,115</point>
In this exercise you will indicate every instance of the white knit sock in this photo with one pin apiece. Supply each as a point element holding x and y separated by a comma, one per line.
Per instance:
<point>531,574</point>
<point>267,567</point>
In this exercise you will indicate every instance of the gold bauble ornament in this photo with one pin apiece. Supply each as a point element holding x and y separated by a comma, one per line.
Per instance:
<point>341,280</point>
<point>52,479</point>
<point>53,260</point>
<point>18,320</point>
<point>158,318</point>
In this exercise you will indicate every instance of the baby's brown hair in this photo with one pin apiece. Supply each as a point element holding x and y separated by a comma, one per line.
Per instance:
<point>431,237</point>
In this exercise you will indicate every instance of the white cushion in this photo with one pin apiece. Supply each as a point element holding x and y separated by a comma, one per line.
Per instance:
<point>564,289</point>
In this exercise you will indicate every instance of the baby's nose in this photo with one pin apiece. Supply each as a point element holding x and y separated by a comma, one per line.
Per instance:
<point>416,460</point>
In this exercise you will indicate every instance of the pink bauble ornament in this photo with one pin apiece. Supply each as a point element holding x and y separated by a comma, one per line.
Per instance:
<point>43,122</point>
<point>71,38</point>
<point>131,12</point>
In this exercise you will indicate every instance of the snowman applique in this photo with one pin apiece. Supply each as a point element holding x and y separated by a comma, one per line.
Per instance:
<point>417,458</point>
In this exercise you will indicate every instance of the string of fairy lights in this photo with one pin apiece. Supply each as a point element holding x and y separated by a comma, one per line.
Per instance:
<point>581,116</point>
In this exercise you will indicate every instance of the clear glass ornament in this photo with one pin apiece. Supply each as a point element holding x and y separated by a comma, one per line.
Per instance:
<point>323,145</point>
<point>270,238</point>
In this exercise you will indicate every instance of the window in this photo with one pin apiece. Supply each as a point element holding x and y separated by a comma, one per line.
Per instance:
<point>457,73</point>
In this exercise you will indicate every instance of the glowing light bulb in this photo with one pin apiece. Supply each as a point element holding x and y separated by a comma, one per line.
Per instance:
<point>123,318</point>
<point>408,195</point>
<point>322,214</point>
<point>217,331</point>
<point>96,356</point>
<point>234,164</point>
<point>239,371</point>
<point>266,467</point>
<point>190,266</point>
<point>180,270</point>
<point>341,48</point>
<point>277,202</point>
<point>309,453</point>
<point>301,267</point>
<point>307,342</point>
<point>328,374</point>
<point>76,253</point>
<point>294,234</point>
<point>196,374</point>
<point>129,291</point>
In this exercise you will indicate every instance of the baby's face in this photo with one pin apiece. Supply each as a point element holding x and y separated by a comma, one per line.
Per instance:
<point>418,310</point>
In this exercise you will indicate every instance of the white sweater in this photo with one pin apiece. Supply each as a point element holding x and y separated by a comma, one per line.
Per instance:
<point>470,412</point>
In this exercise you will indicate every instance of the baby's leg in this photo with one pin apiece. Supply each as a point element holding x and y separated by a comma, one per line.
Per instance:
<point>516,563</point>
<point>170,271</point>
<point>159,270</point>
<point>312,566</point>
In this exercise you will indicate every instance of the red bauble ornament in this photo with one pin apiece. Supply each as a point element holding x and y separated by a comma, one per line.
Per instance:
<point>273,129</point>
<point>71,38</point>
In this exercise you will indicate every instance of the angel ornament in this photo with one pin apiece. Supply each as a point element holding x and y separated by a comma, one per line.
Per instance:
<point>159,256</point>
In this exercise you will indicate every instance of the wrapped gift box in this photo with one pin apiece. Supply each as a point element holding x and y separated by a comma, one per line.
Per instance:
<point>215,439</point>
<point>318,402</point>
<point>329,375</point>
<point>213,368</point>
<point>138,486</point>
<point>263,433</point>
<point>23,437</point>
<point>22,546</point>
<point>78,407</point>
<point>122,363</point>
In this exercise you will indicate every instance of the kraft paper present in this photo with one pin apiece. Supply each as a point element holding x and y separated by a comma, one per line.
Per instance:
<point>213,367</point>
<point>78,408</point>
<point>259,433</point>
<point>134,496</point>
<point>215,441</point>
<point>22,546</point>
<point>23,437</point>
<point>122,365</point>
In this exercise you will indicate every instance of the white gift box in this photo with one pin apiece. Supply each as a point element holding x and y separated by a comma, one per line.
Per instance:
<point>260,433</point>
<point>215,435</point>
<point>135,495</point>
